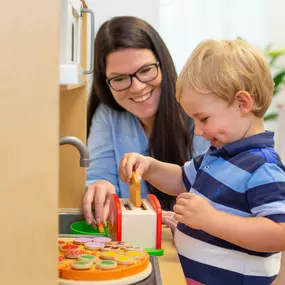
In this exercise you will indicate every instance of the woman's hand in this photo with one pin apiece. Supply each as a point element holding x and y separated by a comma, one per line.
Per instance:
<point>133,162</point>
<point>97,196</point>
<point>168,219</point>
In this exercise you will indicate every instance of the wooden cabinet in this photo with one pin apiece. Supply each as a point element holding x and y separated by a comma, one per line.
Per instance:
<point>29,124</point>
<point>34,112</point>
<point>73,123</point>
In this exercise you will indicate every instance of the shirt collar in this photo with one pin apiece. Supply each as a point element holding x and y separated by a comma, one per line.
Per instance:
<point>261,140</point>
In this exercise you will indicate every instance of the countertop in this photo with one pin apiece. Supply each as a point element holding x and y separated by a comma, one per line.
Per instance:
<point>169,264</point>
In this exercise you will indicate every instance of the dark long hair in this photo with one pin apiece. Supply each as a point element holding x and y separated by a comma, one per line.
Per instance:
<point>170,139</point>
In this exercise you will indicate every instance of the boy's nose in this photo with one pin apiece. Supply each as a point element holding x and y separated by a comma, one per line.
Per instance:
<point>198,131</point>
<point>137,86</point>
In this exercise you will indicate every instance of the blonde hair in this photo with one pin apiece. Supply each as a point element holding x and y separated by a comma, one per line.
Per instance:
<point>226,67</point>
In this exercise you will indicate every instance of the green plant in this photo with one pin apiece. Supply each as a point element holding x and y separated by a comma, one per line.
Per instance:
<point>278,77</point>
<point>279,74</point>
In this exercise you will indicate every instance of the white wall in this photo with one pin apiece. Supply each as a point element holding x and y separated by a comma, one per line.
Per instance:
<point>106,9</point>
<point>184,23</point>
<point>148,10</point>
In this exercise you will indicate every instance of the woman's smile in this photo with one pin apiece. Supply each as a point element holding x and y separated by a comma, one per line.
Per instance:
<point>143,98</point>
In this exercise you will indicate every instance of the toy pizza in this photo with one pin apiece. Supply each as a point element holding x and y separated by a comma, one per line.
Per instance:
<point>100,261</point>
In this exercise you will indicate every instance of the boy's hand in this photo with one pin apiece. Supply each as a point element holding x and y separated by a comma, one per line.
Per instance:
<point>133,162</point>
<point>194,211</point>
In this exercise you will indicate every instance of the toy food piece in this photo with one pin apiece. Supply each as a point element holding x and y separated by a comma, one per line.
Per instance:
<point>109,254</point>
<point>71,250</point>
<point>107,264</point>
<point>69,247</point>
<point>123,245</point>
<point>82,240</point>
<point>134,189</point>
<point>73,253</point>
<point>61,242</point>
<point>102,239</point>
<point>133,248</point>
<point>106,248</point>
<point>101,228</point>
<point>115,248</point>
<point>110,248</point>
<point>60,258</point>
<point>88,258</point>
<point>93,245</point>
<point>136,254</point>
<point>81,264</point>
<point>124,259</point>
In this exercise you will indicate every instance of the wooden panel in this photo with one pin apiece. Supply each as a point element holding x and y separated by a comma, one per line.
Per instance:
<point>73,123</point>
<point>29,124</point>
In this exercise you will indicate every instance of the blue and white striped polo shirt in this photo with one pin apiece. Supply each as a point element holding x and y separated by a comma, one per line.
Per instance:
<point>245,178</point>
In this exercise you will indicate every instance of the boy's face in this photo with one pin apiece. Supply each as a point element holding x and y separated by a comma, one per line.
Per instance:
<point>215,120</point>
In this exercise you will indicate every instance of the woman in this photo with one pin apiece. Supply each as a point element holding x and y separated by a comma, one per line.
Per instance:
<point>132,108</point>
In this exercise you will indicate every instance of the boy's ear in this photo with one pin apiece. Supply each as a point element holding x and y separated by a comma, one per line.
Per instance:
<point>244,101</point>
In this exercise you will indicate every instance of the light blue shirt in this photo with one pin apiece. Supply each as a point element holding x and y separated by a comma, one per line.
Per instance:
<point>113,134</point>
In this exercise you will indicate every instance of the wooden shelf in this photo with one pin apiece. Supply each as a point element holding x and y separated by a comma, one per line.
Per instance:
<point>64,88</point>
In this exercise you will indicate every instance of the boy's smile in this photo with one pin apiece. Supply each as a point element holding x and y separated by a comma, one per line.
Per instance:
<point>215,119</point>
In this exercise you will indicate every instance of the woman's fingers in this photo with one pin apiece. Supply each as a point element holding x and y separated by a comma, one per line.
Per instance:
<point>106,211</point>
<point>168,219</point>
<point>97,196</point>
<point>171,223</point>
<point>99,201</point>
<point>87,201</point>
<point>167,215</point>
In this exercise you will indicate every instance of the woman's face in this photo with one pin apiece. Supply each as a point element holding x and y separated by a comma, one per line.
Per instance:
<point>140,99</point>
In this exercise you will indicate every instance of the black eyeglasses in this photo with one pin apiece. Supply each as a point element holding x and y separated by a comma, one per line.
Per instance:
<point>144,74</point>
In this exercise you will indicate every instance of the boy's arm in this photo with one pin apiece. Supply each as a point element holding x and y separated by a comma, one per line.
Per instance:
<point>166,177</point>
<point>173,179</point>
<point>266,199</point>
<point>257,233</point>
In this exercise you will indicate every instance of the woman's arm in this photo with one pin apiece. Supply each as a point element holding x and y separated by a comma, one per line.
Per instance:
<point>103,164</point>
<point>101,175</point>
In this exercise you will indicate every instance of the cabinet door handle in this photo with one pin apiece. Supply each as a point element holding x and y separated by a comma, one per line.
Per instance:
<point>85,10</point>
